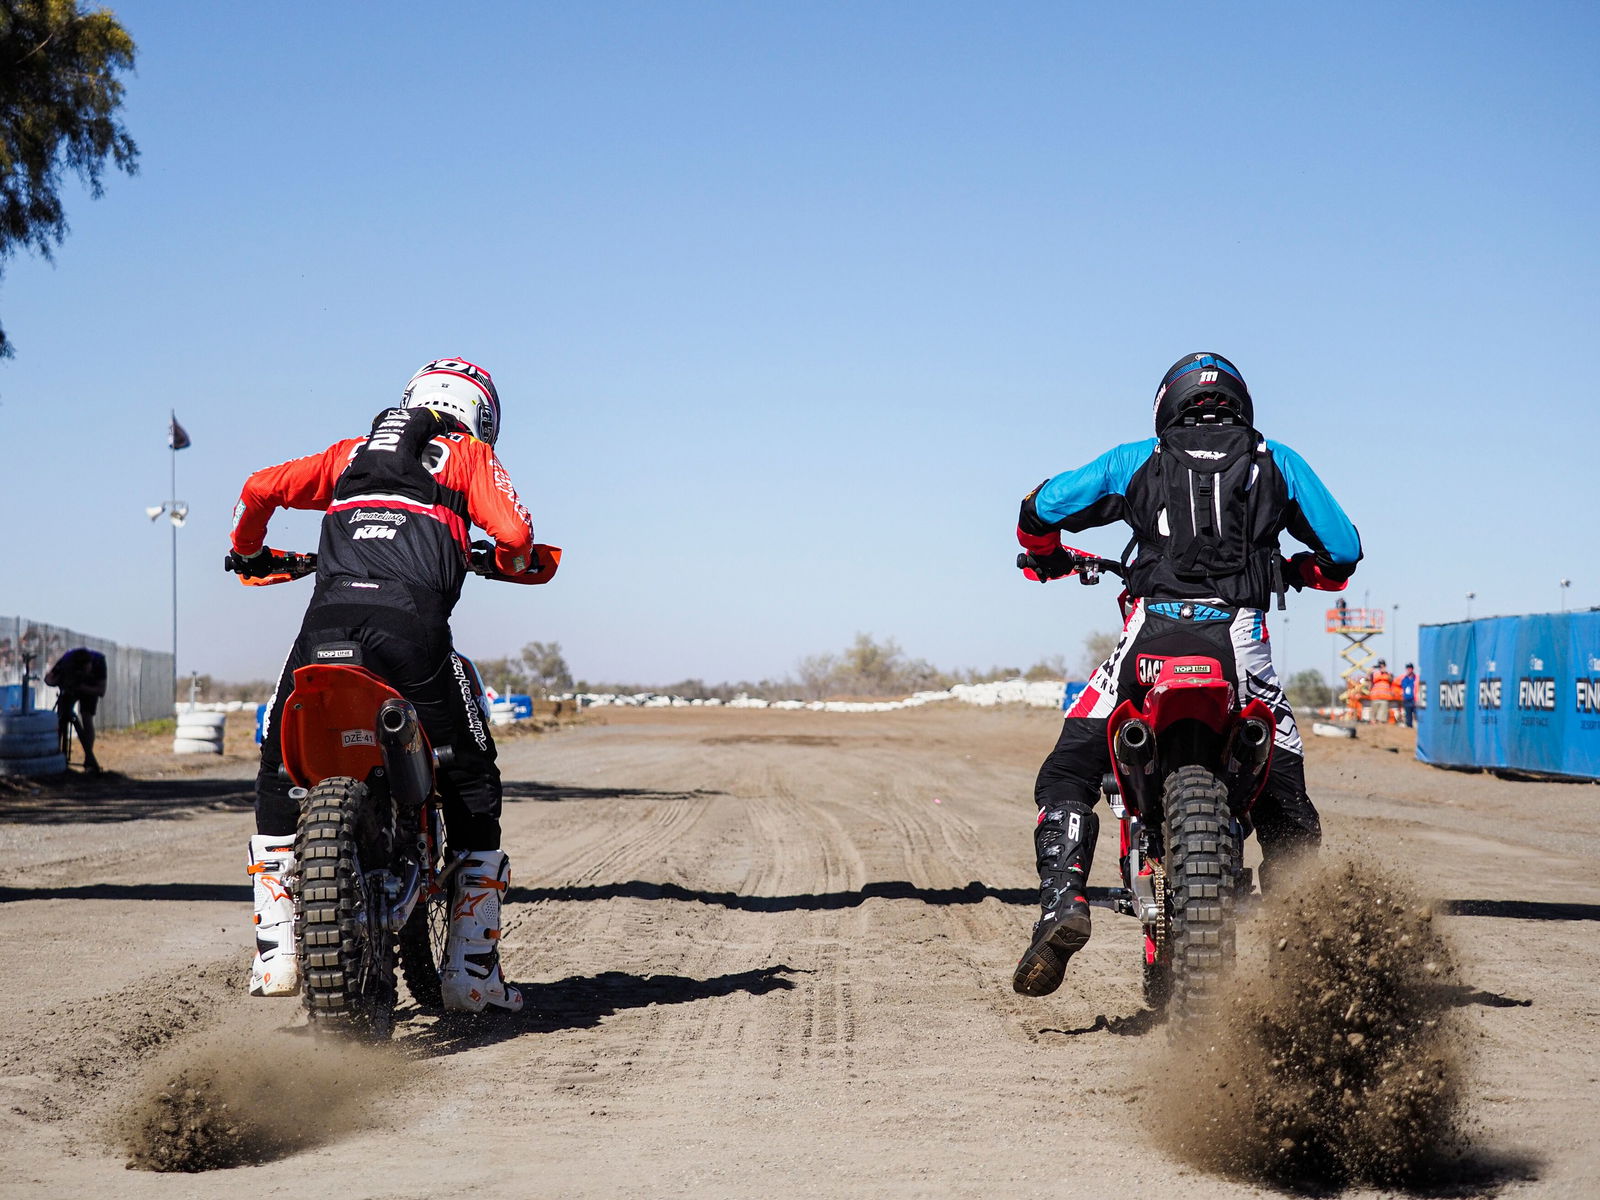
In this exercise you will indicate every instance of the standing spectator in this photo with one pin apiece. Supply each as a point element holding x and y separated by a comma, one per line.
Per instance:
<point>1382,692</point>
<point>1355,695</point>
<point>80,677</point>
<point>1408,694</point>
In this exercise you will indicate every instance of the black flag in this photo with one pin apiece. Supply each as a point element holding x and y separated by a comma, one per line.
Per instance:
<point>176,437</point>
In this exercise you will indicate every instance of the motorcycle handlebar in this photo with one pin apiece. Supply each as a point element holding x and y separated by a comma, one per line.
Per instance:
<point>1087,567</point>
<point>270,566</point>
<point>281,566</point>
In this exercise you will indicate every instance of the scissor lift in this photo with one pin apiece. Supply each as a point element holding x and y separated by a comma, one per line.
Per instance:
<point>1356,626</point>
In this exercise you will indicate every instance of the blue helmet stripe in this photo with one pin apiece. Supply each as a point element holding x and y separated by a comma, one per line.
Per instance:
<point>1209,360</point>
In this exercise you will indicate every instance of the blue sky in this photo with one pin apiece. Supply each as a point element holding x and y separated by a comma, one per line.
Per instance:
<point>789,305</point>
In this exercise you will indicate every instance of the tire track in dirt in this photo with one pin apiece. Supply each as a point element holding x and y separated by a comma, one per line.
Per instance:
<point>664,1043</point>
<point>826,1020</point>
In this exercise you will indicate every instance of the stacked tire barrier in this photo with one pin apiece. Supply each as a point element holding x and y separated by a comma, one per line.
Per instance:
<point>30,745</point>
<point>199,732</point>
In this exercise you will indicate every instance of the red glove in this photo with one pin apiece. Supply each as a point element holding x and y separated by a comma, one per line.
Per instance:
<point>1304,571</point>
<point>1055,559</point>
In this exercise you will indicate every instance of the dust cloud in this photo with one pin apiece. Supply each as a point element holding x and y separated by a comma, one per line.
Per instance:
<point>1336,1058</point>
<point>226,1101</point>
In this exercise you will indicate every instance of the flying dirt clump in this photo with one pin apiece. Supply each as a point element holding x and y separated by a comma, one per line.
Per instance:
<point>223,1104</point>
<point>1334,1060</point>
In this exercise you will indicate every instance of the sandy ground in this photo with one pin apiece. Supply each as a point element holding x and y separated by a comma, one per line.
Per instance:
<point>764,954</point>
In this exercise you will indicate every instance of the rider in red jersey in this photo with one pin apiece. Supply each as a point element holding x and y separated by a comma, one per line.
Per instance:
<point>393,553</point>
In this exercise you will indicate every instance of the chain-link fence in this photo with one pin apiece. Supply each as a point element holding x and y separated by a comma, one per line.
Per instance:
<point>138,682</point>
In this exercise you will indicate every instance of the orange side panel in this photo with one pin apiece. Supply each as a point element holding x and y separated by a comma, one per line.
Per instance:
<point>330,723</point>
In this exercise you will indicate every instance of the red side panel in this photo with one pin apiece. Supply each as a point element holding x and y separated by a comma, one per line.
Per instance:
<point>330,723</point>
<point>1191,688</point>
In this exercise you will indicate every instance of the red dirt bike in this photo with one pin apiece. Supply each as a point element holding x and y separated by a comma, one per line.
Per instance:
<point>373,888</point>
<point>1186,769</point>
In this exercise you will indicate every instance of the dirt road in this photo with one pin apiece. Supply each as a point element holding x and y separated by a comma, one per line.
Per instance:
<point>765,954</point>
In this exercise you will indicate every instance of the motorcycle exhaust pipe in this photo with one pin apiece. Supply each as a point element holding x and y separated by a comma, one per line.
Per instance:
<point>405,758</point>
<point>1136,745</point>
<point>1254,741</point>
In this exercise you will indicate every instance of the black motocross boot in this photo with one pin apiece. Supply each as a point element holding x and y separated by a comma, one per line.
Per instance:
<point>1064,841</point>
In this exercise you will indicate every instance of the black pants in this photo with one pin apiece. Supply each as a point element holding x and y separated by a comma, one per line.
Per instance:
<point>87,704</point>
<point>1285,820</point>
<point>414,657</point>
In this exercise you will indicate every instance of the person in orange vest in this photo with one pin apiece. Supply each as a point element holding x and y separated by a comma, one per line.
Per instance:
<point>1355,693</point>
<point>1382,692</point>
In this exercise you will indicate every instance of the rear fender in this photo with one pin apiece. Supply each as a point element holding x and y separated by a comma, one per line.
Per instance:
<point>330,723</point>
<point>1191,689</point>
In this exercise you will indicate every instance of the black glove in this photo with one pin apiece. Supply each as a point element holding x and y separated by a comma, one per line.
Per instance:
<point>1057,563</point>
<point>253,566</point>
<point>1294,569</point>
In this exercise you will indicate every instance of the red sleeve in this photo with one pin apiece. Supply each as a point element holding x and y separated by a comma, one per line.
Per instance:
<point>300,483</point>
<point>1039,543</point>
<point>493,506</point>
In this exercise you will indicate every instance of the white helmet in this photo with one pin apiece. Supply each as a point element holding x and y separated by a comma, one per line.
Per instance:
<point>462,389</point>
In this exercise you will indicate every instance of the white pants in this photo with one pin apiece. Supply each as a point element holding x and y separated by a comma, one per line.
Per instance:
<point>1159,629</point>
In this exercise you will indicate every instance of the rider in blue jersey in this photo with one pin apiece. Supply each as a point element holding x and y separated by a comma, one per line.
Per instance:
<point>1207,499</point>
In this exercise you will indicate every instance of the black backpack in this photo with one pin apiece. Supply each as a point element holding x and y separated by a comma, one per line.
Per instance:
<point>1223,500</point>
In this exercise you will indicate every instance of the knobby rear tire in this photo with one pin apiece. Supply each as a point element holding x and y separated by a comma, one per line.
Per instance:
<point>346,959</point>
<point>1202,851</point>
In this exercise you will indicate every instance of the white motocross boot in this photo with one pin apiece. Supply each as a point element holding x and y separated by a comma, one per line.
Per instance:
<point>470,977</point>
<point>275,972</point>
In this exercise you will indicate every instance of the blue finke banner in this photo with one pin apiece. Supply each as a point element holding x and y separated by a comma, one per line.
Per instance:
<point>1516,692</point>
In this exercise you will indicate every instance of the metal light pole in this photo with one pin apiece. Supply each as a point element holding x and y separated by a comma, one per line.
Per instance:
<point>1565,584</point>
<point>1471,596</point>
<point>1394,635</point>
<point>172,491</point>
<point>178,512</point>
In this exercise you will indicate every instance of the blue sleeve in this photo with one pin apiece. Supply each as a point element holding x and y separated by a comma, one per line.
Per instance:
<point>1330,530</point>
<point>1080,493</point>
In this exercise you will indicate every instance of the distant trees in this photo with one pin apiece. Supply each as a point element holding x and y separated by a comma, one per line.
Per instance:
<point>1097,648</point>
<point>1051,667</point>
<point>1308,689</point>
<point>867,667</point>
<point>59,97</point>
<point>870,668</point>
<point>538,670</point>
<point>216,691</point>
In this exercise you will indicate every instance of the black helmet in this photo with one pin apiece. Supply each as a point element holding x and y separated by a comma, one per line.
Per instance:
<point>1205,386</point>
